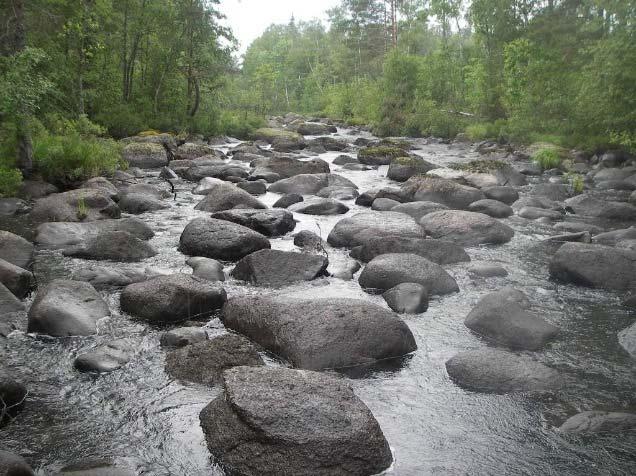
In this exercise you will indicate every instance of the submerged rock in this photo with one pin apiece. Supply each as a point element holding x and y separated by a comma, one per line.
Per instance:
<point>172,298</point>
<point>487,270</point>
<point>320,333</point>
<point>66,308</point>
<point>497,371</point>
<point>8,302</point>
<point>102,277</point>
<point>276,268</point>
<point>13,396</point>
<point>466,228</point>
<point>183,336</point>
<point>204,362</point>
<point>627,340</point>
<point>362,227</point>
<point>409,298</point>
<point>14,465</point>
<point>94,468</point>
<point>284,421</point>
<point>137,203</point>
<point>206,268</point>
<point>105,358</point>
<point>599,422</point>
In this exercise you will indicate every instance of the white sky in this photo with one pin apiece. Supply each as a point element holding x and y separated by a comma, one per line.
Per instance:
<point>249,18</point>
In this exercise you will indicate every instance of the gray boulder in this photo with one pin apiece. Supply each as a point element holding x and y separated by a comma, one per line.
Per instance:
<point>65,234</point>
<point>320,333</point>
<point>103,184</point>
<point>94,467</point>
<point>105,358</point>
<point>174,298</point>
<point>183,336</point>
<point>403,168</point>
<point>13,206</point>
<point>9,304</point>
<point>611,238</point>
<point>320,206</point>
<point>146,189</point>
<point>66,308</point>
<point>287,200</point>
<point>384,204</point>
<point>552,191</point>
<point>102,277</point>
<point>345,159</point>
<point>34,189</point>
<point>17,280</point>
<point>507,195</point>
<point>446,192</point>
<point>220,239</point>
<point>362,227</point>
<point>577,227</point>
<point>288,167</point>
<point>491,208</point>
<point>388,270</point>
<point>274,268</point>
<point>594,266</point>
<point>418,209</point>
<point>253,188</point>
<point>13,396</point>
<point>310,184</point>
<point>145,155</point>
<point>487,270</point>
<point>14,465</point>
<point>15,249</point>
<point>466,228</point>
<point>315,129</point>
<point>206,268</point>
<point>338,193</point>
<point>329,143</point>
<point>219,170</point>
<point>503,317</point>
<point>627,340</point>
<point>282,421</point>
<point>437,251</point>
<point>534,213</point>
<point>587,205</point>
<point>407,298</point>
<point>206,185</point>
<point>308,240</point>
<point>192,150</point>
<point>270,222</point>
<point>75,206</point>
<point>204,362</point>
<point>497,371</point>
<point>115,246</point>
<point>137,203</point>
<point>227,196</point>
<point>599,422</point>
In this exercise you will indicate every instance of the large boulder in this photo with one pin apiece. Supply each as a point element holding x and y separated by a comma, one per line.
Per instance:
<point>338,193</point>
<point>274,222</point>
<point>227,196</point>
<point>9,304</point>
<point>418,209</point>
<point>379,155</point>
<point>596,266</point>
<point>183,336</point>
<point>599,422</point>
<point>14,465</point>
<point>192,150</point>
<point>13,395</point>
<point>507,195</point>
<point>437,251</point>
<point>320,206</point>
<point>503,317</point>
<point>77,205</point>
<point>103,184</point>
<point>497,371</point>
<point>105,358</point>
<point>409,298</point>
<point>329,143</point>
<point>587,205</point>
<point>627,340</point>
<point>220,239</point>
<point>287,200</point>
<point>492,208</point>
<point>362,227</point>
<point>552,191</point>
<point>403,168</point>
<point>94,467</point>
<point>115,246</point>
<point>288,167</point>
<point>17,280</point>
<point>146,155</point>
<point>310,184</point>
<point>388,270</point>
<point>315,129</point>
<point>204,362</point>
<point>281,140</point>
<point>66,308</point>
<point>279,421</point>
<point>274,268</point>
<point>137,203</point>
<point>438,190</point>
<point>15,249</point>
<point>102,277</point>
<point>466,228</point>
<point>219,170</point>
<point>64,234</point>
<point>612,238</point>
<point>174,298</point>
<point>206,268</point>
<point>320,333</point>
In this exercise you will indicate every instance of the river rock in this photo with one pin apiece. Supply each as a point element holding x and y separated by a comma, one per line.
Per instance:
<point>384,204</point>
<point>34,189</point>
<point>206,185</point>
<point>14,465</point>
<point>192,150</point>
<point>632,198</point>
<point>536,202</point>
<point>13,395</point>
<point>612,173</point>
<point>183,336</point>
<point>577,227</point>
<point>105,358</point>
<point>204,362</point>
<point>503,317</point>
<point>492,208</point>
<point>362,227</point>
<point>403,168</point>
<point>437,251</point>
<point>446,192</point>
<point>270,222</point>
<point>329,143</point>
<point>315,129</point>
<point>320,206</point>
<point>15,249</point>
<point>115,246</point>
<point>17,280</point>
<point>487,270</point>
<point>94,467</point>
<point>596,266</point>
<point>64,234</point>
<point>409,298</point>
<point>101,277</point>
<point>221,171</point>
<point>388,270</point>
<point>8,302</point>
<point>611,238</point>
<point>497,371</point>
<point>599,422</point>
<point>466,228</point>
<point>535,213</point>
<point>309,184</point>
<point>227,196</point>
<point>309,240</point>
<point>279,421</point>
<point>147,189</point>
<point>75,206</point>
<point>137,203</point>
<point>345,159</point>
<point>206,268</point>
<point>287,200</point>
<point>220,239</point>
<point>280,140</point>
<point>507,195</point>
<point>13,206</point>
<point>587,205</point>
<point>145,155</point>
<point>274,268</point>
<point>320,333</point>
<point>379,155</point>
<point>288,167</point>
<point>627,340</point>
<point>66,308</point>
<point>338,193</point>
<point>253,188</point>
<point>552,191</point>
<point>173,298</point>
<point>418,209</point>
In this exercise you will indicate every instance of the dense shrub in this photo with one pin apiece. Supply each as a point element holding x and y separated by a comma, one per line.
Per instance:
<point>547,158</point>
<point>10,180</point>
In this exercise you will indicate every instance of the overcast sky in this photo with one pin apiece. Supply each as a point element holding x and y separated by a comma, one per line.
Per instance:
<point>249,18</point>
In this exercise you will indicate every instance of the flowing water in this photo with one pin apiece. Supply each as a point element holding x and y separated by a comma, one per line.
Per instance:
<point>146,421</point>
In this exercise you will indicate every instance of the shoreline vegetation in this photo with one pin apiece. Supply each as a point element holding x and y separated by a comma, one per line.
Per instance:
<point>77,76</point>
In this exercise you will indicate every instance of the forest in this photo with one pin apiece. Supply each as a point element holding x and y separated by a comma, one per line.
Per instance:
<point>76,73</point>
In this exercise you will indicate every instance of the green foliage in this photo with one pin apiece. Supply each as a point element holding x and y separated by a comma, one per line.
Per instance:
<point>381,151</point>
<point>575,182</point>
<point>487,130</point>
<point>547,158</point>
<point>483,166</point>
<point>121,120</point>
<point>22,82</point>
<point>239,124</point>
<point>68,159</point>
<point>10,180</point>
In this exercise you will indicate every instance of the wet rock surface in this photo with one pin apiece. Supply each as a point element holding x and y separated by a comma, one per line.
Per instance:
<point>275,268</point>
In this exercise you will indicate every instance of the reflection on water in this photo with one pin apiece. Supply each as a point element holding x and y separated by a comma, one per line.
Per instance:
<point>149,422</point>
